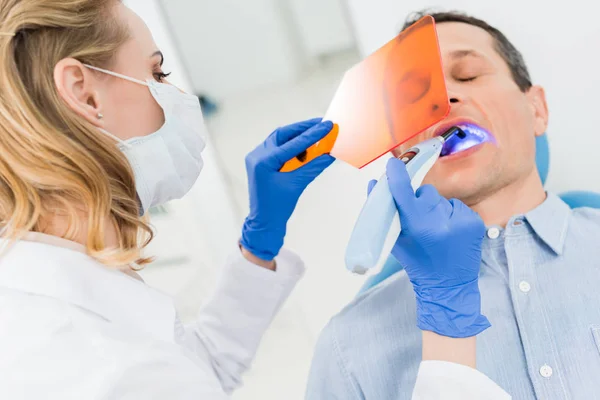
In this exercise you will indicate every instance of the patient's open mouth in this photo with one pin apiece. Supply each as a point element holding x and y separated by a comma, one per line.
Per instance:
<point>473,136</point>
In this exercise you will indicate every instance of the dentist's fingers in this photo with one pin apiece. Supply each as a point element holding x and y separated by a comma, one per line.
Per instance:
<point>289,132</point>
<point>316,166</point>
<point>428,198</point>
<point>475,222</point>
<point>400,187</point>
<point>300,143</point>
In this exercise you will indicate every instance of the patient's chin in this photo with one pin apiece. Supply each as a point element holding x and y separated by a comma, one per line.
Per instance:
<point>462,184</point>
<point>468,177</point>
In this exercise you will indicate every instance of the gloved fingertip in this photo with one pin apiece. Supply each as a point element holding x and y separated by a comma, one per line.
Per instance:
<point>327,124</point>
<point>458,205</point>
<point>323,160</point>
<point>321,129</point>
<point>329,157</point>
<point>399,184</point>
<point>287,133</point>
<point>426,190</point>
<point>396,170</point>
<point>314,120</point>
<point>371,185</point>
<point>395,163</point>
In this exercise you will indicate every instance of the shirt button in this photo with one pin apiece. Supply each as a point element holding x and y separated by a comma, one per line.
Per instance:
<point>518,222</point>
<point>524,286</point>
<point>493,233</point>
<point>546,371</point>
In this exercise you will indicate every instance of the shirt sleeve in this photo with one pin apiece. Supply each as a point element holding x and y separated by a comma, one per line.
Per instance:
<point>231,324</point>
<point>329,377</point>
<point>441,380</point>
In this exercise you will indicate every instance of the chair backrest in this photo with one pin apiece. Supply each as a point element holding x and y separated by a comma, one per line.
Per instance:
<point>575,199</point>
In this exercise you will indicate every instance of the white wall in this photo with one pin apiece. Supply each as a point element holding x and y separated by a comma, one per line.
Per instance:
<point>323,26</point>
<point>234,46</point>
<point>560,44</point>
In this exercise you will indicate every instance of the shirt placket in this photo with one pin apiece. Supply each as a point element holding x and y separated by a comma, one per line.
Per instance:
<point>531,313</point>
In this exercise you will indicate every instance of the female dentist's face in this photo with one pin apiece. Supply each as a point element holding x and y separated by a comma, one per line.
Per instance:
<point>123,108</point>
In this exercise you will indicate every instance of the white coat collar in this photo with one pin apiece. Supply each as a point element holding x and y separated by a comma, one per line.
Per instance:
<point>74,277</point>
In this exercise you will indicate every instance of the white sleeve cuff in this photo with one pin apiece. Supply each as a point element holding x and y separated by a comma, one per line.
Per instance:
<point>290,268</point>
<point>233,321</point>
<point>442,380</point>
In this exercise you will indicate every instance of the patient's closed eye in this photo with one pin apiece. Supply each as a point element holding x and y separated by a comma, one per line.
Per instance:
<point>466,79</point>
<point>469,70</point>
<point>466,73</point>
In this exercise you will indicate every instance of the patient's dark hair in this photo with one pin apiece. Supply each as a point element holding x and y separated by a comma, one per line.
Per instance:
<point>504,47</point>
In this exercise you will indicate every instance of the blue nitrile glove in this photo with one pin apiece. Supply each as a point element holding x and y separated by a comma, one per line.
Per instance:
<point>440,248</point>
<point>274,194</point>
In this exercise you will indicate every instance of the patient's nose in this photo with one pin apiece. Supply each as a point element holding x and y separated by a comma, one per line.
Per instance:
<point>454,97</point>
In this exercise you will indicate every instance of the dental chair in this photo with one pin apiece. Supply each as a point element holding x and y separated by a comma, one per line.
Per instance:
<point>574,199</point>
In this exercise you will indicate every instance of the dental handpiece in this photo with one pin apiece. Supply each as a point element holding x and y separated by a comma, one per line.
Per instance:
<point>378,224</point>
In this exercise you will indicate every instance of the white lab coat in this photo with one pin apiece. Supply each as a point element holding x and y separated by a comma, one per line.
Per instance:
<point>73,329</point>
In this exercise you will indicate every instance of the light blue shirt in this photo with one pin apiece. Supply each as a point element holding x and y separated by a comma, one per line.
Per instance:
<point>540,289</point>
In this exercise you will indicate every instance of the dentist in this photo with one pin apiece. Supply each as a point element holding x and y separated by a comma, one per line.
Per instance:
<point>91,137</point>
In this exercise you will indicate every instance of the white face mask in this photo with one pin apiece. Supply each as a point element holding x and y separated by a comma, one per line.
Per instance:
<point>167,162</point>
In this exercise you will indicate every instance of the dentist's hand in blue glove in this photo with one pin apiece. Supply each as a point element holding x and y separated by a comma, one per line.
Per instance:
<point>440,249</point>
<point>274,194</point>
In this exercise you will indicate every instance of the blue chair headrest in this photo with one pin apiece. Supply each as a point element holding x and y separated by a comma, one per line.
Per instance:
<point>574,199</point>
<point>542,156</point>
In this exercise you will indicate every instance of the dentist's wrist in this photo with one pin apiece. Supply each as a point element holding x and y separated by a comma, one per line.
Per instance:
<point>261,240</point>
<point>270,265</point>
<point>455,350</point>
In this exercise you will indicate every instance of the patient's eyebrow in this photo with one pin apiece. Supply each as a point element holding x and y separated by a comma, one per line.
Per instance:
<point>456,54</point>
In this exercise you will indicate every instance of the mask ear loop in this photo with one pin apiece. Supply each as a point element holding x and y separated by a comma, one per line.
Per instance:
<point>127,78</point>
<point>120,141</point>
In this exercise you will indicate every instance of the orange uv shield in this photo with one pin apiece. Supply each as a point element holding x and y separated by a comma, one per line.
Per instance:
<point>386,99</point>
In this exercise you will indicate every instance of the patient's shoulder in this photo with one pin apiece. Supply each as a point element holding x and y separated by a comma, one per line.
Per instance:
<point>586,219</point>
<point>390,303</point>
<point>377,328</point>
<point>582,232</point>
<point>587,214</point>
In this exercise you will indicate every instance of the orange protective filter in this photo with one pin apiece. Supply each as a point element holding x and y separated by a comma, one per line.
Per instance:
<point>391,96</point>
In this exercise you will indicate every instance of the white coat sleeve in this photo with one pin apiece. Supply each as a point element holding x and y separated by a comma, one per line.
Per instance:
<point>442,380</point>
<point>231,324</point>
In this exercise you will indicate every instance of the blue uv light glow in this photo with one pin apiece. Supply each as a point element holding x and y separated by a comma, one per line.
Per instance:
<point>474,135</point>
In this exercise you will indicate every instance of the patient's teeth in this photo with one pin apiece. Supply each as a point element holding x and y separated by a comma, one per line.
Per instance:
<point>474,135</point>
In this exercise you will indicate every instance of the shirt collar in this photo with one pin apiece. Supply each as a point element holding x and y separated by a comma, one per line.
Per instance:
<point>74,277</point>
<point>550,221</point>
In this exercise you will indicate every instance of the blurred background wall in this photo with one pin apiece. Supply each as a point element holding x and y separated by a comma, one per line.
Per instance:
<point>266,63</point>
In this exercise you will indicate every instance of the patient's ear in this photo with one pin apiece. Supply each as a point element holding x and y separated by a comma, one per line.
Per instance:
<point>539,107</point>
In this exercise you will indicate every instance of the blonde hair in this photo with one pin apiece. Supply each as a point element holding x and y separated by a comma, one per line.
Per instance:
<point>52,161</point>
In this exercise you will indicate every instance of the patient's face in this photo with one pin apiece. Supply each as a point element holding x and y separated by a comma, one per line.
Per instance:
<point>483,91</point>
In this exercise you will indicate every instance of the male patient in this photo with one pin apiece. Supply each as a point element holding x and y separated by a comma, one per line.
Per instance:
<point>540,269</point>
